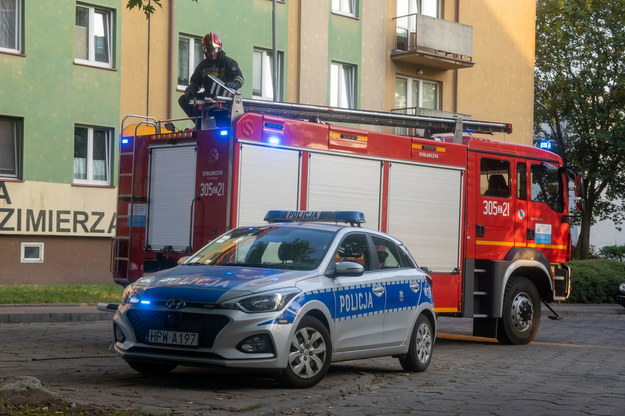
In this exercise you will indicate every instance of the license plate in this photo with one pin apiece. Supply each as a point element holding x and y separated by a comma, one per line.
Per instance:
<point>158,336</point>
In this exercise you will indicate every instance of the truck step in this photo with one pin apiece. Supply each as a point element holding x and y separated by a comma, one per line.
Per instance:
<point>480,293</point>
<point>480,315</point>
<point>479,270</point>
<point>121,258</point>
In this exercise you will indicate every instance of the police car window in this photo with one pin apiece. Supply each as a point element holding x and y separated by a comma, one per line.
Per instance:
<point>546,186</point>
<point>267,246</point>
<point>354,247</point>
<point>495,178</point>
<point>387,253</point>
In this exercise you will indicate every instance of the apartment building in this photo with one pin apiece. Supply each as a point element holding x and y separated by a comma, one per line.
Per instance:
<point>67,86</point>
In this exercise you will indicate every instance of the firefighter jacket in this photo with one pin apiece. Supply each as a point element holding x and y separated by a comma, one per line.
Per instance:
<point>224,68</point>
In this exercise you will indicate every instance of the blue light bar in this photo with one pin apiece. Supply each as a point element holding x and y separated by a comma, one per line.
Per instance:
<point>351,217</point>
<point>125,140</point>
<point>223,132</point>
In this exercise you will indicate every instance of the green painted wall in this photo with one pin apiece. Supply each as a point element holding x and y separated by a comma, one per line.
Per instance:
<point>241,25</point>
<point>51,93</point>
<point>345,43</point>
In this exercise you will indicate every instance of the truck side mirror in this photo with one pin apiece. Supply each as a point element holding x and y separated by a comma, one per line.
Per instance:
<point>579,192</point>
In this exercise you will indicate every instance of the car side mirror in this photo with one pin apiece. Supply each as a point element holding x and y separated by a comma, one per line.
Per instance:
<point>349,268</point>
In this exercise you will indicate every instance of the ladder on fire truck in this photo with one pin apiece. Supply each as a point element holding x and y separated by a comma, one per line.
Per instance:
<point>234,105</point>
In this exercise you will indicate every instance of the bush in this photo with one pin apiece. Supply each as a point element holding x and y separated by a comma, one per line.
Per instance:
<point>613,252</point>
<point>595,281</point>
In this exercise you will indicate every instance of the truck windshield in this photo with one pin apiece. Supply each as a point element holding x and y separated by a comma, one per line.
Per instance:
<point>267,246</point>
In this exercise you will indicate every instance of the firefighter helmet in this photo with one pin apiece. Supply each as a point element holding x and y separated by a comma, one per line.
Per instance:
<point>211,42</point>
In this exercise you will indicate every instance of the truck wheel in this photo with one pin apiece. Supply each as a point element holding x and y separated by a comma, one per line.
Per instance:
<point>151,369</point>
<point>309,355</point>
<point>520,317</point>
<point>421,345</point>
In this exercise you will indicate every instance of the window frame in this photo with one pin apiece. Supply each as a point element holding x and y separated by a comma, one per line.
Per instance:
<point>18,29</point>
<point>336,96</point>
<point>89,162</point>
<point>406,7</point>
<point>338,7</point>
<point>24,259</point>
<point>191,61</point>
<point>266,58</point>
<point>420,83</point>
<point>17,147</point>
<point>91,60</point>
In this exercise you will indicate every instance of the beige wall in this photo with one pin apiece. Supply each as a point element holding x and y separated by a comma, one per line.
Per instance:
<point>313,71</point>
<point>134,65</point>
<point>500,87</point>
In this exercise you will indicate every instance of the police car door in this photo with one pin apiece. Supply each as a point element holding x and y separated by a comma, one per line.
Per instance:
<point>360,300</point>
<point>405,290</point>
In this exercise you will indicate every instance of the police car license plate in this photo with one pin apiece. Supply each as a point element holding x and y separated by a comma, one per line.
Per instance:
<point>158,336</point>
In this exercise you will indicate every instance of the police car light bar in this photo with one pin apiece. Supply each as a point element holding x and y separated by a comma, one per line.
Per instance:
<point>351,217</point>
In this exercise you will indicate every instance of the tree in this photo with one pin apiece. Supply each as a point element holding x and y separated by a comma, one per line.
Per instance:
<point>580,98</point>
<point>145,5</point>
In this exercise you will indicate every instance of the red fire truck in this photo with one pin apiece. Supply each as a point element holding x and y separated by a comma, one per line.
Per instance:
<point>488,220</point>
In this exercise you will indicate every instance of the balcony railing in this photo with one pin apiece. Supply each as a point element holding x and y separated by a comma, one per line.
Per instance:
<point>432,42</point>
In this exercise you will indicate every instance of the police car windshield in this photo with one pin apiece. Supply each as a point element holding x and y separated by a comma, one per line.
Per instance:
<point>268,246</point>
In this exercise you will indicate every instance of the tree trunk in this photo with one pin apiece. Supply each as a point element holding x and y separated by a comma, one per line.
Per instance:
<point>582,250</point>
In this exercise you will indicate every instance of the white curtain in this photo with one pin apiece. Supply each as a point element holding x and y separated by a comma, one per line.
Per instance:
<point>8,12</point>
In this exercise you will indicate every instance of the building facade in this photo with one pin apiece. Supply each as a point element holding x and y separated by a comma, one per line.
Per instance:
<point>68,87</point>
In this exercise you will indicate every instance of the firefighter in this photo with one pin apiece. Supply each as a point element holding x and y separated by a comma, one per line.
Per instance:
<point>216,64</point>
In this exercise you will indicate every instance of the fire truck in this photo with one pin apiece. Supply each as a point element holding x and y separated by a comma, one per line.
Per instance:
<point>487,220</point>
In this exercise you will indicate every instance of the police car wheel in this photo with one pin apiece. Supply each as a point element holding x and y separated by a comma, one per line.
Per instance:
<point>151,369</point>
<point>421,345</point>
<point>310,353</point>
<point>520,317</point>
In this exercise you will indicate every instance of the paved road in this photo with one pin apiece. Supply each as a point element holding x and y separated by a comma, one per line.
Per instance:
<point>575,366</point>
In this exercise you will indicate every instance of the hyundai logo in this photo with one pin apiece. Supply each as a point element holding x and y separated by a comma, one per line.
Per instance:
<point>175,304</point>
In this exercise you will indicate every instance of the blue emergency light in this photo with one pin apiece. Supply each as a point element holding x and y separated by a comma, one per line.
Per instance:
<point>125,140</point>
<point>351,217</point>
<point>545,144</point>
<point>223,132</point>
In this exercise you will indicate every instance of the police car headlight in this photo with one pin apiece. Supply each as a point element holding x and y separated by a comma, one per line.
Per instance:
<point>267,302</point>
<point>621,288</point>
<point>130,295</point>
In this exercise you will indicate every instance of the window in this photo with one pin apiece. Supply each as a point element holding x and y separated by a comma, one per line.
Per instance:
<point>92,155</point>
<point>347,7</point>
<point>32,252</point>
<point>495,178</point>
<point>388,254</point>
<point>262,79</point>
<point>342,86</point>
<point>425,7</point>
<point>354,247</point>
<point>521,181</point>
<point>546,186</point>
<point>93,43</point>
<point>411,93</point>
<point>189,56</point>
<point>9,147</point>
<point>10,25</point>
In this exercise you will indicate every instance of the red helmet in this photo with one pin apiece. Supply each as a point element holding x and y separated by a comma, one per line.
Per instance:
<point>211,42</point>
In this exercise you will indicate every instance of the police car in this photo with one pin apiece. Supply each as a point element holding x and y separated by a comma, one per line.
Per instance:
<point>291,296</point>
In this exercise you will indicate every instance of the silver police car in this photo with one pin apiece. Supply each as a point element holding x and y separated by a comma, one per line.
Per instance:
<point>290,296</point>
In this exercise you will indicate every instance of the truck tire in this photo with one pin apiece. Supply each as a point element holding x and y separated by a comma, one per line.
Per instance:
<point>421,344</point>
<point>309,355</point>
<point>520,317</point>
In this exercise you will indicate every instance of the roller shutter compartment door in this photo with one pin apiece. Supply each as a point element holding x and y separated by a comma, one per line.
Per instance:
<point>424,212</point>
<point>171,192</point>
<point>268,179</point>
<point>345,183</point>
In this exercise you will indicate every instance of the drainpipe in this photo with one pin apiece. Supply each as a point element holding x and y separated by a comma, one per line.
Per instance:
<point>455,70</point>
<point>170,64</point>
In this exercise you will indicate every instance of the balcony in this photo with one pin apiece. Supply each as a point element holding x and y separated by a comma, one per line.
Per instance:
<point>430,42</point>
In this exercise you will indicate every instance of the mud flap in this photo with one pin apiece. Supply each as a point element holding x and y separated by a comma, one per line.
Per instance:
<point>485,327</point>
